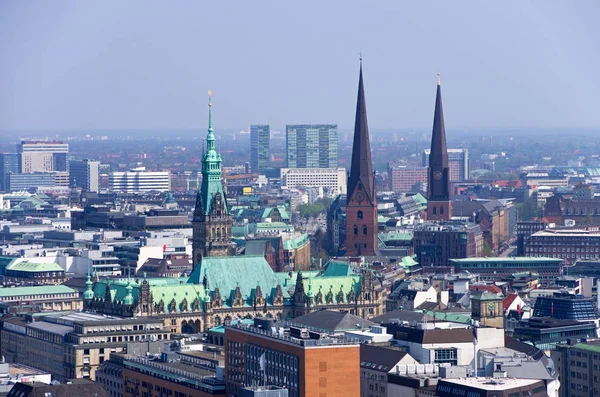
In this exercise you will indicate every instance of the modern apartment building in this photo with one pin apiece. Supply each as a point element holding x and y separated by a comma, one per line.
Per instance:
<point>139,180</point>
<point>458,162</point>
<point>498,268</point>
<point>260,153</point>
<point>333,179</point>
<point>306,365</point>
<point>84,174</point>
<point>312,145</point>
<point>43,156</point>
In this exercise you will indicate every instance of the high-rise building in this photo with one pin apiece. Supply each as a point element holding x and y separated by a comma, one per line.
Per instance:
<point>43,156</point>
<point>458,161</point>
<point>361,204</point>
<point>9,164</point>
<point>211,222</point>
<point>312,146</point>
<point>19,182</point>
<point>439,206</point>
<point>260,154</point>
<point>139,180</point>
<point>84,174</point>
<point>577,365</point>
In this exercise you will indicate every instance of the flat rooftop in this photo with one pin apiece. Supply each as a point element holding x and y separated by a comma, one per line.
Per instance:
<point>495,384</point>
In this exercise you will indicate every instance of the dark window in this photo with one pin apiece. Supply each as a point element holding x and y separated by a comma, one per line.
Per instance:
<point>434,211</point>
<point>442,210</point>
<point>355,230</point>
<point>359,214</point>
<point>365,230</point>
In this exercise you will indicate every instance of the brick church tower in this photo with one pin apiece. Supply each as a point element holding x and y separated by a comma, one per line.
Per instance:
<point>439,207</point>
<point>211,223</point>
<point>361,207</point>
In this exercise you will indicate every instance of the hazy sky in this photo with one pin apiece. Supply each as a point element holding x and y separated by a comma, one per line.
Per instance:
<point>148,64</point>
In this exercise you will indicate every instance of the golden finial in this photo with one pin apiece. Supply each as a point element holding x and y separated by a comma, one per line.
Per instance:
<point>438,79</point>
<point>209,95</point>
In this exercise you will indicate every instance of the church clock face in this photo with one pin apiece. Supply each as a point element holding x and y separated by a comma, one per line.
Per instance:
<point>360,196</point>
<point>437,175</point>
<point>491,306</point>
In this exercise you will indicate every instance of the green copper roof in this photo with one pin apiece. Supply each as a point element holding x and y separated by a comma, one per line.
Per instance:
<point>34,267</point>
<point>587,347</point>
<point>335,268</point>
<point>348,284</point>
<point>282,212</point>
<point>396,236</point>
<point>39,290</point>
<point>5,261</point>
<point>296,242</point>
<point>227,273</point>
<point>463,318</point>
<point>407,262</point>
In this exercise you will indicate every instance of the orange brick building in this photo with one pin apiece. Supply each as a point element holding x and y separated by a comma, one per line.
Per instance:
<point>306,367</point>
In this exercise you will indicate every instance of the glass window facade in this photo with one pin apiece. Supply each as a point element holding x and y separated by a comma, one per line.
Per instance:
<point>312,146</point>
<point>260,152</point>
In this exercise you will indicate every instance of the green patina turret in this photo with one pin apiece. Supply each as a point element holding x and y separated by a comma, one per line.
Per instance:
<point>128,300</point>
<point>88,294</point>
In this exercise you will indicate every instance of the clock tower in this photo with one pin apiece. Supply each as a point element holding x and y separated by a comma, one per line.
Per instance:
<point>361,205</point>
<point>211,223</point>
<point>439,207</point>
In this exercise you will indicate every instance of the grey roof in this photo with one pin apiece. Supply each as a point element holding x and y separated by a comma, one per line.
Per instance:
<point>331,321</point>
<point>401,315</point>
<point>51,327</point>
<point>76,387</point>
<point>256,247</point>
<point>379,358</point>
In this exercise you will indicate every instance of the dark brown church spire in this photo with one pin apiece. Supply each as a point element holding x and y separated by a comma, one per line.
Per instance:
<point>361,208</point>
<point>361,168</point>
<point>438,186</point>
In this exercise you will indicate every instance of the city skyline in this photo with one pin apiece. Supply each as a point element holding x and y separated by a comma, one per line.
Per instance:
<point>74,69</point>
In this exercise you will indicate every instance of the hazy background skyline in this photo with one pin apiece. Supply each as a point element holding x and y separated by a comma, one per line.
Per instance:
<point>69,65</point>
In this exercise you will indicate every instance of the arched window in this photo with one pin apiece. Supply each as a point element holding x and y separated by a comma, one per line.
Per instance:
<point>212,233</point>
<point>223,232</point>
<point>218,233</point>
<point>434,211</point>
<point>365,230</point>
<point>359,214</point>
<point>355,230</point>
<point>442,210</point>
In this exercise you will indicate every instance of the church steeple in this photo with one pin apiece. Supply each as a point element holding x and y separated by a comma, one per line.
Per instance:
<point>361,168</point>
<point>438,188</point>
<point>361,203</point>
<point>211,221</point>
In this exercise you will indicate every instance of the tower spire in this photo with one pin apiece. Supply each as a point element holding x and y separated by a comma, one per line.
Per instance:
<point>210,139</point>
<point>361,168</point>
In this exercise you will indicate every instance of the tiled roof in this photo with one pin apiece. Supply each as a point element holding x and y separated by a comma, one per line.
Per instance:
<point>488,288</point>
<point>509,301</point>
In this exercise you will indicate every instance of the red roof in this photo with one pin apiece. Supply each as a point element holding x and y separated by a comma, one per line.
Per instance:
<point>515,183</point>
<point>487,288</point>
<point>509,301</point>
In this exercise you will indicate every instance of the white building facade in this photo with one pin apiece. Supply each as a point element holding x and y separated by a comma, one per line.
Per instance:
<point>333,179</point>
<point>139,180</point>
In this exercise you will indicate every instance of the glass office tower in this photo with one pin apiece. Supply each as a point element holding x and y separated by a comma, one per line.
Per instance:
<point>312,145</point>
<point>260,153</point>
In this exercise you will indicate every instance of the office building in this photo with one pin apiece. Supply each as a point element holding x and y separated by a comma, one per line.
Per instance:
<point>9,164</point>
<point>332,179</point>
<point>567,244</point>
<point>260,153</point>
<point>20,182</point>
<point>291,359</point>
<point>439,207</point>
<point>578,365</point>
<point>74,344</point>
<point>361,201</point>
<point>78,387</point>
<point>51,297</point>
<point>84,174</point>
<point>524,230</point>
<point>405,179</point>
<point>312,146</point>
<point>565,306</point>
<point>501,268</point>
<point>436,243</point>
<point>43,156</point>
<point>139,180</point>
<point>458,162</point>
